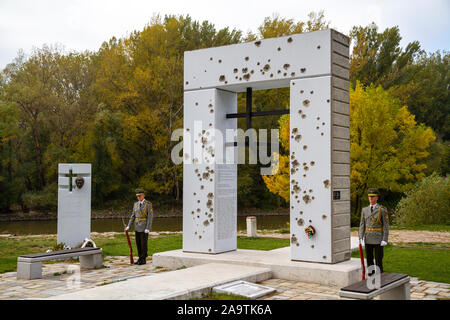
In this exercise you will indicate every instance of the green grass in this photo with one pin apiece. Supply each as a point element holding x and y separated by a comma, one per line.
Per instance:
<point>221,296</point>
<point>430,264</point>
<point>11,248</point>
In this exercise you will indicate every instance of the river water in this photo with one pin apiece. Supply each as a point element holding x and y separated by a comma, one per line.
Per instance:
<point>107,225</point>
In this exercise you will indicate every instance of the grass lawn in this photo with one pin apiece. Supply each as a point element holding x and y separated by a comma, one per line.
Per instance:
<point>11,248</point>
<point>425,227</point>
<point>427,262</point>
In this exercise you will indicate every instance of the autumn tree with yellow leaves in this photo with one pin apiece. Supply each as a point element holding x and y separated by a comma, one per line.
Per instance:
<point>387,146</point>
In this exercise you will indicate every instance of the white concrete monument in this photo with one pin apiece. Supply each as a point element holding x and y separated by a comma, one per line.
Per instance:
<point>74,203</point>
<point>315,66</point>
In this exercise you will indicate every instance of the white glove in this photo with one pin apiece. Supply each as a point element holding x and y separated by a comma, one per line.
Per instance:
<point>383,243</point>
<point>127,228</point>
<point>146,231</point>
<point>361,241</point>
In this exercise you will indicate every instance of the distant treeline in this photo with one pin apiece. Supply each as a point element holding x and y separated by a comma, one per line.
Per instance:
<point>117,107</point>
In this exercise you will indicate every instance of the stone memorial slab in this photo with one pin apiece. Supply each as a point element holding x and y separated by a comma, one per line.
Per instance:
<point>74,203</point>
<point>244,288</point>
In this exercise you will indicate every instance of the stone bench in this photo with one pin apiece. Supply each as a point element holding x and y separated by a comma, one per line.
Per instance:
<point>394,286</point>
<point>30,266</point>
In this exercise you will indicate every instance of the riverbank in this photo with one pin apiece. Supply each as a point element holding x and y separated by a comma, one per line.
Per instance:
<point>112,214</point>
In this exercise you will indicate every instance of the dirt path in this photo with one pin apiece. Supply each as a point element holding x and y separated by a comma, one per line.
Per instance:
<point>395,236</point>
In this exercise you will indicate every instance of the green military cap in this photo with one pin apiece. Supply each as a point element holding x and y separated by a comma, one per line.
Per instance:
<point>139,191</point>
<point>373,192</point>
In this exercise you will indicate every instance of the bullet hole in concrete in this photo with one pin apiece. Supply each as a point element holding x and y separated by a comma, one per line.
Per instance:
<point>210,195</point>
<point>312,246</point>
<point>202,187</point>
<point>307,199</point>
<point>286,66</point>
<point>279,49</point>
<point>303,70</point>
<point>300,222</point>
<point>296,197</point>
<point>324,257</point>
<point>303,116</point>
<point>257,43</point>
<point>187,129</point>
<point>236,77</point>
<point>289,40</point>
<point>235,70</point>
<point>195,232</point>
<point>324,216</point>
<point>246,58</point>
<point>263,73</point>
<point>220,61</point>
<point>321,134</point>
<point>323,123</point>
<point>206,223</point>
<point>196,103</point>
<point>246,76</point>
<point>298,137</point>
<point>305,168</point>
<point>211,179</point>
<point>294,239</point>
<point>258,63</point>
<point>301,212</point>
<point>192,212</point>
<point>199,237</point>
<point>293,75</point>
<point>222,78</point>
<point>279,71</point>
<point>211,111</point>
<point>187,82</point>
<point>293,157</point>
<point>271,75</point>
<point>295,130</point>
<point>209,250</point>
<point>285,74</point>
<point>210,124</point>
<point>268,60</point>
<point>240,78</point>
<point>209,203</point>
<point>296,188</point>
<point>198,209</point>
<point>328,100</point>
<point>295,163</point>
<point>305,147</point>
<point>312,91</point>
<point>226,82</point>
<point>198,201</point>
<point>310,190</point>
<point>244,70</point>
<point>317,128</point>
<point>252,71</point>
<point>211,220</point>
<point>301,91</point>
<point>318,47</point>
<point>304,163</point>
<point>312,163</point>
<point>210,59</point>
<point>306,102</point>
<point>292,170</point>
<point>326,183</point>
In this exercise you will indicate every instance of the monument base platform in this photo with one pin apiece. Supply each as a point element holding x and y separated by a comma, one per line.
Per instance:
<point>278,261</point>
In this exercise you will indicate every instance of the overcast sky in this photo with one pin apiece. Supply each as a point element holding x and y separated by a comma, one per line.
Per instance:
<point>85,24</point>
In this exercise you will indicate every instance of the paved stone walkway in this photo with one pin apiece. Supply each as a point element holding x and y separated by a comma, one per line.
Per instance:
<point>297,290</point>
<point>59,279</point>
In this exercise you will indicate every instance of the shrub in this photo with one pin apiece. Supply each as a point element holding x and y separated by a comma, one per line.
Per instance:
<point>45,199</point>
<point>428,202</point>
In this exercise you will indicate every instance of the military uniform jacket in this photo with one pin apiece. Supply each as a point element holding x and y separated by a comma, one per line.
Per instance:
<point>374,226</point>
<point>142,216</point>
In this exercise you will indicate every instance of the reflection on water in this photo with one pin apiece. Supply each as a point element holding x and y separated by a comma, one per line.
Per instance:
<point>106,225</point>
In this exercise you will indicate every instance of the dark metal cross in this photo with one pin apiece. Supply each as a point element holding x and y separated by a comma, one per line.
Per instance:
<point>248,114</point>
<point>70,176</point>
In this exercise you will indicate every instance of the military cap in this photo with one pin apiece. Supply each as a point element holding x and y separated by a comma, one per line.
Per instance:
<point>139,191</point>
<point>373,192</point>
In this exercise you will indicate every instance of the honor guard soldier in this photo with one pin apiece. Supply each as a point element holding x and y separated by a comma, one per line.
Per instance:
<point>374,229</point>
<point>142,217</point>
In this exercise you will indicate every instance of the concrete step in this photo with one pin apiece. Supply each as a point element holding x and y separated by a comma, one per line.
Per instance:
<point>278,261</point>
<point>178,284</point>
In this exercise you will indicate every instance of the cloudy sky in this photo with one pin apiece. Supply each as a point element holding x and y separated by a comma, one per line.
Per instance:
<point>85,24</point>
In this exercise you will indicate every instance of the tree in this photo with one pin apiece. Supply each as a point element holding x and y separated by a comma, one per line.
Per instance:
<point>387,146</point>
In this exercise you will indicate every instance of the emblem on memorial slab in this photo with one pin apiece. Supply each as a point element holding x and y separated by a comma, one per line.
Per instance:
<point>79,181</point>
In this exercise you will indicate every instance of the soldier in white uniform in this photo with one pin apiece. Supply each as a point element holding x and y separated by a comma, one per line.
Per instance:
<point>142,217</point>
<point>374,229</point>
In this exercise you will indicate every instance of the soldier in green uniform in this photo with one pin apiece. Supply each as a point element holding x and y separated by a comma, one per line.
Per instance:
<point>374,229</point>
<point>142,217</point>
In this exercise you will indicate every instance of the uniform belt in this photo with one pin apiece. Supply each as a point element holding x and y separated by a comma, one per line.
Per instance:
<point>141,219</point>
<point>373,229</point>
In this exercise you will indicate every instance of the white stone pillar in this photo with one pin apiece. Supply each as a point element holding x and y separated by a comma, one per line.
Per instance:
<point>74,204</point>
<point>251,227</point>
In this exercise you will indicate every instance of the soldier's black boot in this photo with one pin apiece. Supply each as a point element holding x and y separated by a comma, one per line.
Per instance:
<point>138,262</point>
